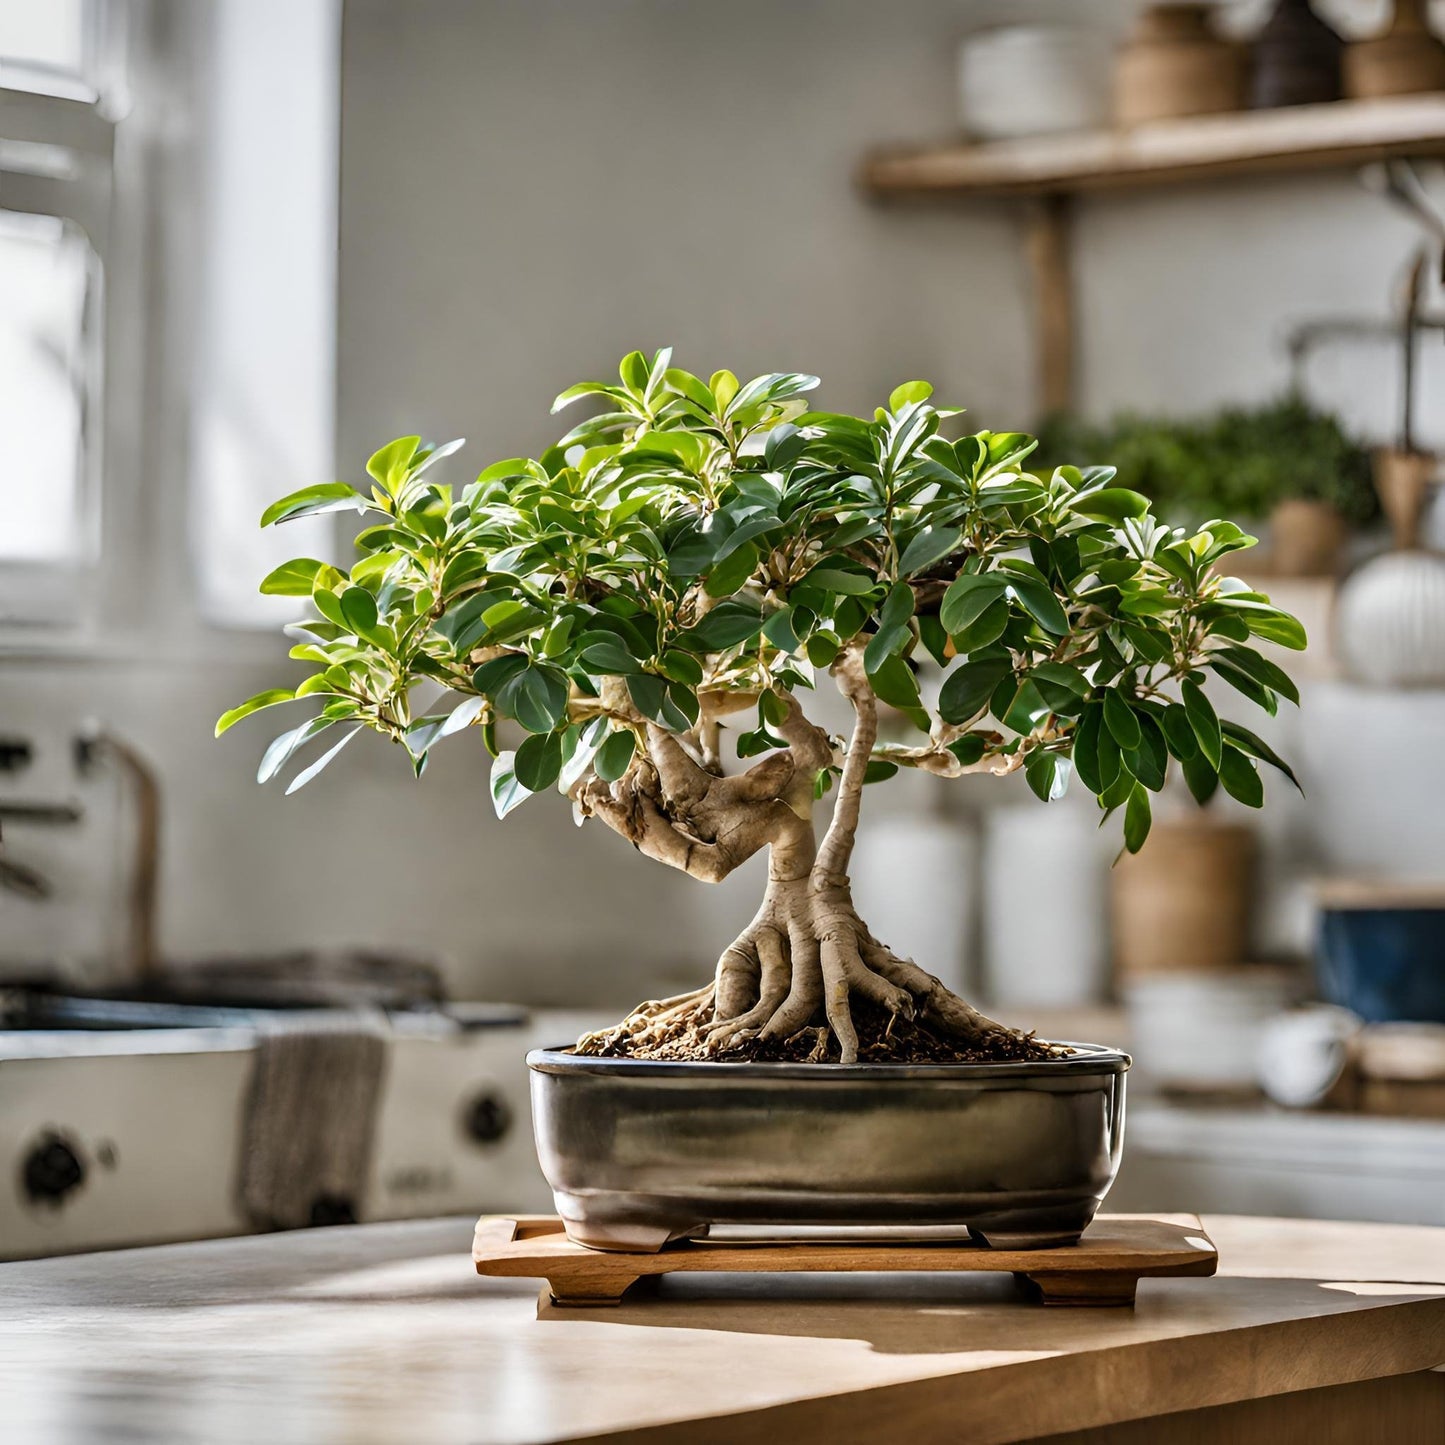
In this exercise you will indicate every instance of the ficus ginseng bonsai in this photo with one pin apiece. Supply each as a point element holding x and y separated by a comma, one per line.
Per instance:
<point>704,550</point>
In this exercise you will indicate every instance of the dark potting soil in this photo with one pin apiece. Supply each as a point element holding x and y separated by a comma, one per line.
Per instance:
<point>882,1039</point>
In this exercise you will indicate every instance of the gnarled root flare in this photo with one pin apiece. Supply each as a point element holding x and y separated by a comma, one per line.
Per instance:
<point>794,976</point>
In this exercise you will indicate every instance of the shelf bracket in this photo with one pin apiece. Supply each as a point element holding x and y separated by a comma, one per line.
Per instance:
<point>1049,227</point>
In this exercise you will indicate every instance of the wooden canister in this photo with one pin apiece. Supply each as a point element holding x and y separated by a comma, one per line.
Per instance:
<point>1183,903</point>
<point>1175,65</point>
<point>1405,60</point>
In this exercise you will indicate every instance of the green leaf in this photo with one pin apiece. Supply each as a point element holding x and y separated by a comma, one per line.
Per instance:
<point>823,649</point>
<point>969,749</point>
<point>928,546</point>
<point>781,630</point>
<point>539,761</point>
<point>966,690</point>
<point>310,501</point>
<point>1268,622</point>
<point>615,755</point>
<point>724,387</point>
<point>1040,604</point>
<point>1204,721</point>
<point>1261,669</point>
<point>390,465</point>
<point>893,630</point>
<point>1112,504</point>
<point>910,391</point>
<point>1061,675</point>
<point>985,629</point>
<point>896,685</point>
<point>308,773</point>
<point>281,749</point>
<point>1120,720</point>
<point>1149,762</point>
<point>295,578</point>
<point>1256,747</point>
<point>1178,733</point>
<point>686,384</point>
<point>727,576</point>
<point>879,770</point>
<point>1201,776</point>
<point>496,671</point>
<point>1241,778</point>
<point>1047,775</point>
<point>967,598</point>
<point>726,625</point>
<point>835,579</point>
<point>1137,818</point>
<point>537,698</point>
<point>268,698</point>
<point>507,792</point>
<point>607,656</point>
<point>1242,682</point>
<point>1085,749</point>
<point>358,609</point>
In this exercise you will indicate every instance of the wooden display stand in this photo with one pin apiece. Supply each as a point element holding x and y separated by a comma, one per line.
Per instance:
<point>1104,1268</point>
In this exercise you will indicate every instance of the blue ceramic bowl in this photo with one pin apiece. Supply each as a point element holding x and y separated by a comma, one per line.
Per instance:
<point>1384,963</point>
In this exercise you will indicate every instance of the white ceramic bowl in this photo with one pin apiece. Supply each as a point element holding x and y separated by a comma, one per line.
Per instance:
<point>1021,80</point>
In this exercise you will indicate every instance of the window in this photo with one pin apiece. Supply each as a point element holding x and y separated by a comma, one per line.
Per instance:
<point>55,160</point>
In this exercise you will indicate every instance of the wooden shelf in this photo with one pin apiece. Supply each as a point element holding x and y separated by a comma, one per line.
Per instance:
<point>1311,137</point>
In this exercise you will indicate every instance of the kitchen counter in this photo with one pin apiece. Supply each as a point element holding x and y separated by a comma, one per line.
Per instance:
<point>383,1333</point>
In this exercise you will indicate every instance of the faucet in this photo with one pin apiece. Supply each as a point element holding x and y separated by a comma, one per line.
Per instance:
<point>94,745</point>
<point>20,878</point>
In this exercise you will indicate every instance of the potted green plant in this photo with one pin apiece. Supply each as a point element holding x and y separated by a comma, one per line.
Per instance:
<point>1284,462</point>
<point>685,567</point>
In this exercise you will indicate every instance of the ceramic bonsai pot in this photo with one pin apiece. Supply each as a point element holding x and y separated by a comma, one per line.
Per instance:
<point>641,1152</point>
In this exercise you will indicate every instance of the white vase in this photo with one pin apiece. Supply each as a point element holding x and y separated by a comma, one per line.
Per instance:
<point>913,884</point>
<point>1390,621</point>
<point>1045,879</point>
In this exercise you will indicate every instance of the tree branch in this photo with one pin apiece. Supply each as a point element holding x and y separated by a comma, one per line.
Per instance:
<point>836,850</point>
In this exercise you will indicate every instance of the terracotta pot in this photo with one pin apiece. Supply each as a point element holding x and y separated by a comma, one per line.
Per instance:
<point>1175,65</point>
<point>1182,904</point>
<point>1306,538</point>
<point>1405,60</point>
<point>1295,59</point>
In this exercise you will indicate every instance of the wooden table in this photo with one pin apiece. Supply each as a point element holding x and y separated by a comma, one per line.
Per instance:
<point>1311,1332</point>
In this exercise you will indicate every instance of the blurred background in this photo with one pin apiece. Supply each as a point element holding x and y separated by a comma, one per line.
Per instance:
<point>243,243</point>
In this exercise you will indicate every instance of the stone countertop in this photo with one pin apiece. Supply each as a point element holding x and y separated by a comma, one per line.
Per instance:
<point>383,1333</point>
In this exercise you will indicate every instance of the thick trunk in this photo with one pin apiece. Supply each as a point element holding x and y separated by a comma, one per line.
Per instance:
<point>806,956</point>
<point>801,963</point>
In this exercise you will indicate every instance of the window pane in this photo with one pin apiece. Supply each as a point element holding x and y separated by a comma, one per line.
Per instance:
<point>43,35</point>
<point>47,361</point>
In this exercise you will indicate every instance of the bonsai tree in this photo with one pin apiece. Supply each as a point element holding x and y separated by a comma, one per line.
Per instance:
<point>700,556</point>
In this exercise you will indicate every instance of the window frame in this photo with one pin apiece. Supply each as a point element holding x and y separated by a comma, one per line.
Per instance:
<point>62,593</point>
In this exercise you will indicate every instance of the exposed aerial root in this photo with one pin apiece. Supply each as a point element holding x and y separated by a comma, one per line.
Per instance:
<point>806,981</point>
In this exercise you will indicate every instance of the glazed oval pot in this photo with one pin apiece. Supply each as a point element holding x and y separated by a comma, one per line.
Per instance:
<point>640,1152</point>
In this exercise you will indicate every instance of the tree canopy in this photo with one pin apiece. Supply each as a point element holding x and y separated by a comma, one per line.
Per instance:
<point>704,548</point>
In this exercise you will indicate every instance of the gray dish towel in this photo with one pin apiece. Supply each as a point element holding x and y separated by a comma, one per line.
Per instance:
<point>310,1117</point>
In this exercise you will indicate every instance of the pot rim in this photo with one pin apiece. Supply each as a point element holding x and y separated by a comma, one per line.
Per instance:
<point>1086,1059</point>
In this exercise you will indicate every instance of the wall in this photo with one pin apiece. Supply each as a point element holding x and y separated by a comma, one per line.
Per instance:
<point>530,188</point>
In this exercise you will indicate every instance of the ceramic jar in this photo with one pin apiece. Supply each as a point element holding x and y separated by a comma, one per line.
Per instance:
<point>1295,59</point>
